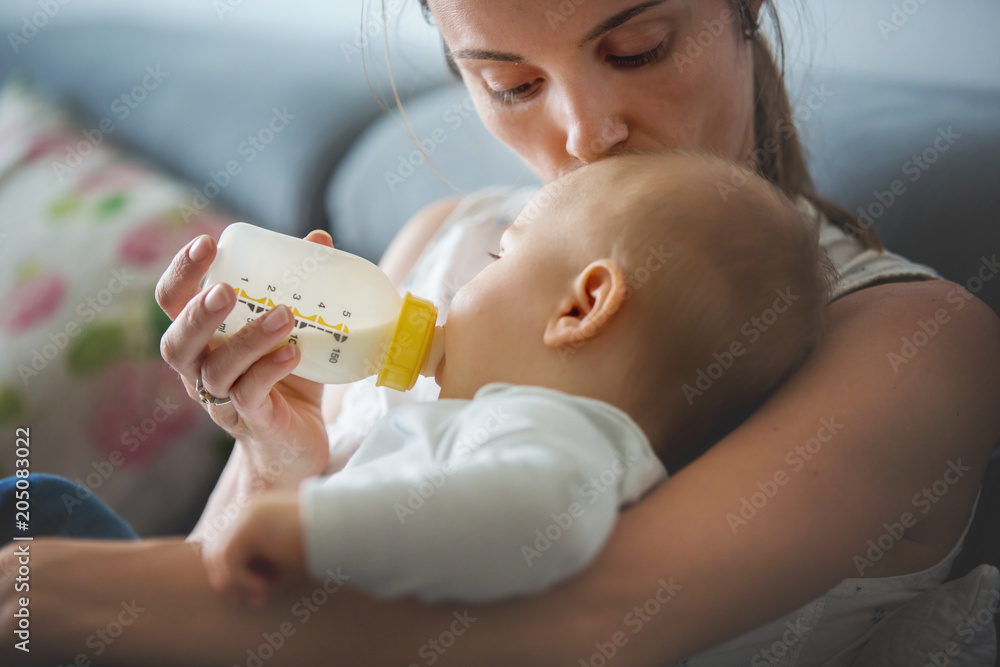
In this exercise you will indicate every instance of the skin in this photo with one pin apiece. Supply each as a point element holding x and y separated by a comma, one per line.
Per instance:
<point>554,287</point>
<point>899,432</point>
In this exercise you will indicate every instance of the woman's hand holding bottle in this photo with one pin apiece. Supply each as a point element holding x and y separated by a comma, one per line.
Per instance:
<point>273,415</point>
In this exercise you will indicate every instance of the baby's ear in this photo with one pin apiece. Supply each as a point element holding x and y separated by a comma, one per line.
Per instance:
<point>597,294</point>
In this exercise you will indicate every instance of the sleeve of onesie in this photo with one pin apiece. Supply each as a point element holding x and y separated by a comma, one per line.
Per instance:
<point>524,510</point>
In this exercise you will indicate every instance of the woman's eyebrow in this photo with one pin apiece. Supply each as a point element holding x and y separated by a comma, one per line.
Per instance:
<point>481,54</point>
<point>618,19</point>
<point>604,27</point>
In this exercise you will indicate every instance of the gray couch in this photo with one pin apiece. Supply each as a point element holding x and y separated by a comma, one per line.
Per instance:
<point>345,165</point>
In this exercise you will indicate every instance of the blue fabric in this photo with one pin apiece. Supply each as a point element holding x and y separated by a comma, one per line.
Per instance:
<point>59,507</point>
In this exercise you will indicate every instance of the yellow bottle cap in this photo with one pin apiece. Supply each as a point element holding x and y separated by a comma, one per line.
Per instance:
<point>409,344</point>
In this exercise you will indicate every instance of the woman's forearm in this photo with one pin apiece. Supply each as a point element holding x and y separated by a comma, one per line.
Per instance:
<point>155,607</point>
<point>241,480</point>
<point>225,495</point>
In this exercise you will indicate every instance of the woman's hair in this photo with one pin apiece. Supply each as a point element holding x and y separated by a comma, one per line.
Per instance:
<point>774,124</point>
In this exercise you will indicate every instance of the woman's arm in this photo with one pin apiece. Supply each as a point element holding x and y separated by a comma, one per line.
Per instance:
<point>240,479</point>
<point>676,577</point>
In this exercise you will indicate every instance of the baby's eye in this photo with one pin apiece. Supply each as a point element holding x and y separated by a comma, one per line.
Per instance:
<point>493,255</point>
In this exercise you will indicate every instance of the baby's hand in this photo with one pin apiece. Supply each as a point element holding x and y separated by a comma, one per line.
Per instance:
<point>263,546</point>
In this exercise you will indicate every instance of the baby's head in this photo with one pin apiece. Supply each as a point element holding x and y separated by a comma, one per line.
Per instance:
<point>647,282</point>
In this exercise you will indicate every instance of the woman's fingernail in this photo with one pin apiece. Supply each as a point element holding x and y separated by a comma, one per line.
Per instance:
<point>283,354</point>
<point>200,249</point>
<point>217,298</point>
<point>277,318</point>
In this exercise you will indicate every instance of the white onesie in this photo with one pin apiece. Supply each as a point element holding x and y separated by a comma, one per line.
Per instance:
<point>504,495</point>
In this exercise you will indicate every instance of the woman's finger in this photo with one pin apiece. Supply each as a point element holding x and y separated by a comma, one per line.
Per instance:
<point>320,236</point>
<point>252,388</point>
<point>222,367</point>
<point>184,342</point>
<point>179,283</point>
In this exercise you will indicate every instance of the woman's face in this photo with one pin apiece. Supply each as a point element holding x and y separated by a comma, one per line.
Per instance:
<point>566,82</point>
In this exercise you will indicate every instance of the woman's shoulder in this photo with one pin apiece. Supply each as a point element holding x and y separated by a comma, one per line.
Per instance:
<point>859,266</point>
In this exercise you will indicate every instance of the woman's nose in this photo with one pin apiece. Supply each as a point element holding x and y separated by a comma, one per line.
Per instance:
<point>593,128</point>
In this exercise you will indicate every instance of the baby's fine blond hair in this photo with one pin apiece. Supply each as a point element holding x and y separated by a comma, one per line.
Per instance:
<point>727,287</point>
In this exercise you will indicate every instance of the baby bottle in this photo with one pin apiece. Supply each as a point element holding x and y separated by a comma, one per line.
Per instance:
<point>350,322</point>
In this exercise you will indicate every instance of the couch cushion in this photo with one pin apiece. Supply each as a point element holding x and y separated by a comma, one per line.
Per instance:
<point>921,163</point>
<point>384,179</point>
<point>280,106</point>
<point>81,249</point>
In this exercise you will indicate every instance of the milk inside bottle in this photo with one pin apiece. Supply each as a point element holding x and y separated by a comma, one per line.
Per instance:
<point>350,321</point>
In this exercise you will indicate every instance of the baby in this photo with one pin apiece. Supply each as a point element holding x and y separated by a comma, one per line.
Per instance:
<point>630,307</point>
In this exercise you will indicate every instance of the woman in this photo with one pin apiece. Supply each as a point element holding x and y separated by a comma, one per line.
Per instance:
<point>564,84</point>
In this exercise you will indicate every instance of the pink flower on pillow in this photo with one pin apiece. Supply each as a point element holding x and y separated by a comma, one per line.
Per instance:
<point>140,410</point>
<point>113,178</point>
<point>31,301</point>
<point>59,142</point>
<point>153,243</point>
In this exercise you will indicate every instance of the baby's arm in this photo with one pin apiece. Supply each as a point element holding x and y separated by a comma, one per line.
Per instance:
<point>530,506</point>
<point>262,546</point>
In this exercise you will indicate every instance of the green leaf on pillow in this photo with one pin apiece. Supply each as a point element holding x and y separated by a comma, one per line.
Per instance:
<point>96,347</point>
<point>12,406</point>
<point>158,323</point>
<point>65,207</point>
<point>110,206</point>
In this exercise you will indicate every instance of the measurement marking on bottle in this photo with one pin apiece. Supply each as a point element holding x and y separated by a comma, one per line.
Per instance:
<point>258,306</point>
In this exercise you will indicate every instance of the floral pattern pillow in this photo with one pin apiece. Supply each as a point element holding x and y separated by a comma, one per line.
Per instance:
<point>85,233</point>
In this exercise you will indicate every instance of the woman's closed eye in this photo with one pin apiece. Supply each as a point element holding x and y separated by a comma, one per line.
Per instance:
<point>649,57</point>
<point>493,254</point>
<point>515,94</point>
<point>525,91</point>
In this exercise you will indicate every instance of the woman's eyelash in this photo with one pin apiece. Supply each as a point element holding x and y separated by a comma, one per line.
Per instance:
<point>524,91</point>
<point>512,95</point>
<point>640,59</point>
<point>493,255</point>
